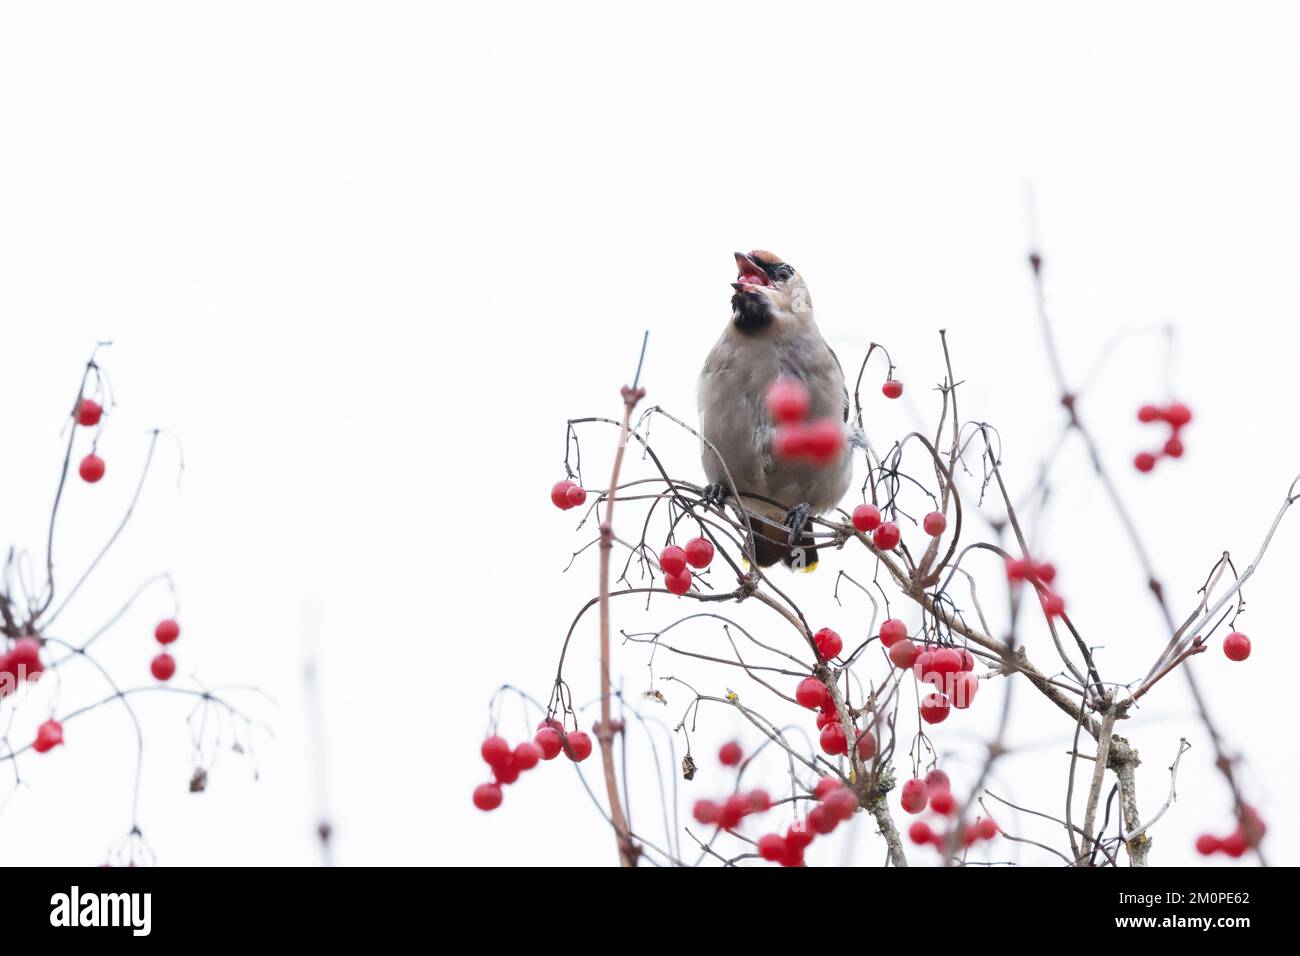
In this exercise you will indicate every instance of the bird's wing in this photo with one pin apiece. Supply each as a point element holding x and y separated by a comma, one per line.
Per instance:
<point>843,385</point>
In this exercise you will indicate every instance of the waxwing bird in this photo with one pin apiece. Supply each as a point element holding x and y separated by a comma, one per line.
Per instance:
<point>771,334</point>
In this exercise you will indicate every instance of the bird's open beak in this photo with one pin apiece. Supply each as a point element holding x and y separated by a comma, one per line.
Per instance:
<point>750,274</point>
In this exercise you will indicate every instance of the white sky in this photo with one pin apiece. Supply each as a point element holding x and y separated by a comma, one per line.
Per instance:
<point>365,261</point>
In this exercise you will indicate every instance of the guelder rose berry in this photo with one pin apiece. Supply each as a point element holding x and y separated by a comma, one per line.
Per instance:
<point>1236,646</point>
<point>678,583</point>
<point>578,746</point>
<point>91,468</point>
<point>163,666</point>
<point>829,644</point>
<point>788,401</point>
<point>527,755</point>
<point>495,751</point>
<point>576,495</point>
<point>934,708</point>
<point>811,693</point>
<point>560,494</point>
<point>892,631</point>
<point>866,518</point>
<point>886,537</point>
<point>934,524</point>
<point>771,846</point>
<point>730,754</point>
<point>487,796</point>
<point>867,745</point>
<point>699,552</point>
<point>936,779</point>
<point>914,796</point>
<point>892,388</point>
<point>672,560</point>
<point>1144,461</point>
<point>548,742</point>
<point>833,740</point>
<point>904,654</point>
<point>942,802</point>
<point>167,631</point>
<point>48,736</point>
<point>920,833</point>
<point>88,412</point>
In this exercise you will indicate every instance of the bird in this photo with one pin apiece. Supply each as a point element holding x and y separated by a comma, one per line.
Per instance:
<point>771,334</point>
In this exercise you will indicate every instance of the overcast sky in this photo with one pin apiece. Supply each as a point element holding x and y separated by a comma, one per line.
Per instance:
<point>363,261</point>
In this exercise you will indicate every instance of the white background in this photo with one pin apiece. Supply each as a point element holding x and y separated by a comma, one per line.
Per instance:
<point>364,260</point>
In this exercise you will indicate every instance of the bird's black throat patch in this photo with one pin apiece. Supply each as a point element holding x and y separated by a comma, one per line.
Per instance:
<point>751,311</point>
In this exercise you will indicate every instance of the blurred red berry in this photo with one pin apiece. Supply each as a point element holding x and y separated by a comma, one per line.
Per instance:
<point>942,802</point>
<point>986,828</point>
<point>1236,646</point>
<point>495,750</point>
<point>88,412</point>
<point>824,441</point>
<point>1144,461</point>
<point>892,388</point>
<point>914,796</point>
<point>1045,572</point>
<point>1178,414</point>
<point>771,846</point>
<point>790,441</point>
<point>1207,844</point>
<point>866,518</point>
<point>842,803</point>
<point>1148,414</point>
<point>487,796</point>
<point>163,666</point>
<point>48,736</point>
<point>730,754</point>
<point>822,820</point>
<point>797,835</point>
<point>705,812</point>
<point>920,833</point>
<point>527,755</point>
<point>24,659</point>
<point>904,654</point>
<point>867,745</point>
<point>934,524</point>
<point>788,401</point>
<point>91,468</point>
<point>826,786</point>
<point>1174,447</point>
<point>167,631</point>
<point>965,686</point>
<point>1019,569</point>
<point>936,779</point>
<point>699,552</point>
<point>759,801</point>
<point>1053,604</point>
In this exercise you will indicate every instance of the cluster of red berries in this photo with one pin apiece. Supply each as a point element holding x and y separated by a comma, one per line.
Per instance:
<point>727,814</point>
<point>1236,646</point>
<point>835,805</point>
<point>164,665</point>
<point>674,561</point>
<point>19,664</point>
<point>820,441</point>
<point>885,535</point>
<point>565,495</point>
<point>1038,573</point>
<point>935,792</point>
<point>1250,830</point>
<point>815,695</point>
<point>949,670</point>
<point>1175,415</point>
<point>507,763</point>
<point>88,413</point>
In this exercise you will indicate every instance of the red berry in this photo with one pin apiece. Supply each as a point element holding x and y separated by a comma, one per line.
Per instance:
<point>1045,572</point>
<point>1236,646</point>
<point>678,583</point>
<point>904,654</point>
<point>965,685</point>
<point>759,801</point>
<point>866,518</point>
<point>825,717</point>
<point>833,740</point>
<point>91,468</point>
<point>487,796</point>
<point>560,494</point>
<point>821,820</point>
<point>548,742</point>
<point>166,631</point>
<point>1148,414</point>
<point>771,846</point>
<point>706,812</point>
<point>936,779</point>
<point>934,524</point>
<point>1207,844</point>
<point>892,388</point>
<point>699,552</point>
<point>811,693</point>
<point>915,795</point>
<point>732,811</point>
<point>934,708</point>
<point>730,754</point>
<point>788,400</point>
<point>1144,461</point>
<point>967,659</point>
<point>1235,845</point>
<point>942,802</point>
<point>791,441</point>
<point>88,412</point>
<point>825,441</point>
<point>1053,604</point>
<point>924,669</point>
<point>1020,569</point>
<point>920,833</point>
<point>825,787</point>
<point>892,631</point>
<point>945,661</point>
<point>886,537</point>
<point>576,495</point>
<point>527,755</point>
<point>986,828</point>
<point>797,835</point>
<point>867,745</point>
<point>672,560</point>
<point>828,643</point>
<point>842,803</point>
<point>24,659</point>
<point>1178,414</point>
<point>1174,447</point>
<point>163,666</point>
<point>48,736</point>
<point>578,746</point>
<point>495,751</point>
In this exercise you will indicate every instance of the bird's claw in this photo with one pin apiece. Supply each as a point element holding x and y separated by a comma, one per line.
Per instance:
<point>797,519</point>
<point>715,494</point>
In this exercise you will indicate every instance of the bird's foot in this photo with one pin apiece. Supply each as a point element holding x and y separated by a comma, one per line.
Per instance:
<point>802,556</point>
<point>797,518</point>
<point>715,494</point>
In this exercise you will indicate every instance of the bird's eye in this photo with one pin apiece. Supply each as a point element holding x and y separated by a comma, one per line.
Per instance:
<point>783,272</point>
